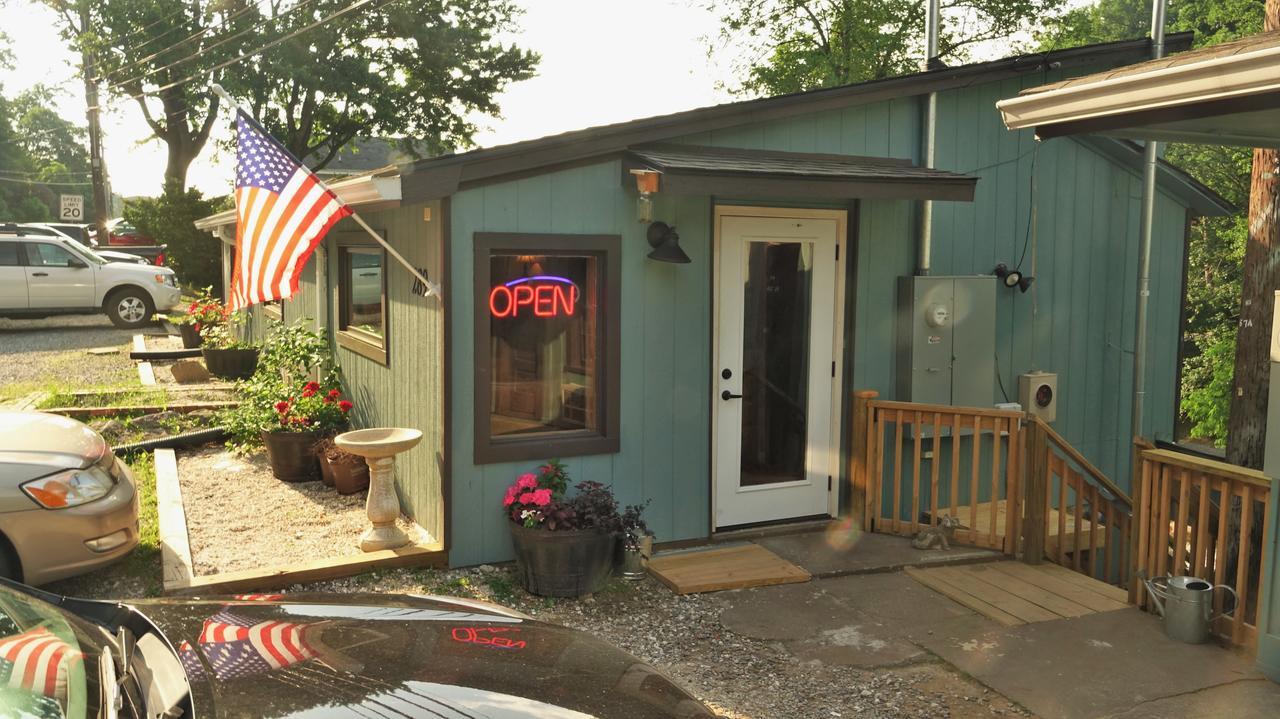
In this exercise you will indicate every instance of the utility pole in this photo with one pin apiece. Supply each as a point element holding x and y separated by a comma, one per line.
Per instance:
<point>1247,424</point>
<point>98,167</point>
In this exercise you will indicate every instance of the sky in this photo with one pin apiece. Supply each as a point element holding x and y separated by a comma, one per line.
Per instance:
<point>656,64</point>
<point>588,77</point>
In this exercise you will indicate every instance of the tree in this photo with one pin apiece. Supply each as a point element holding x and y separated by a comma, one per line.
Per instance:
<point>160,54</point>
<point>809,44</point>
<point>1247,431</point>
<point>408,70</point>
<point>193,255</point>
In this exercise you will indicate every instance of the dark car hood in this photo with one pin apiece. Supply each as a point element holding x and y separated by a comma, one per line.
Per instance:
<point>401,656</point>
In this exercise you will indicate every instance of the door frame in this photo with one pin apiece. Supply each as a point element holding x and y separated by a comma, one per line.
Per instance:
<point>841,217</point>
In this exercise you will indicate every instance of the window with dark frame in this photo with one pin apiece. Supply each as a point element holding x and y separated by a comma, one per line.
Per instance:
<point>362,300</point>
<point>547,346</point>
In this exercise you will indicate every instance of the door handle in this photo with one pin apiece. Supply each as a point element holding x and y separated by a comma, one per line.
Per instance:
<point>39,274</point>
<point>727,395</point>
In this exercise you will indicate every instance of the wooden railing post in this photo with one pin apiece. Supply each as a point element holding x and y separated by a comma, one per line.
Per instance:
<point>859,464</point>
<point>1137,528</point>
<point>1035,480</point>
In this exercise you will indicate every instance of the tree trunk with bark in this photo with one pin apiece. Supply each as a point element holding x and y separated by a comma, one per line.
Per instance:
<point>1247,424</point>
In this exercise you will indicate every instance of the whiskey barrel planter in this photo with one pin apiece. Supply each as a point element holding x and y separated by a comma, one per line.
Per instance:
<point>190,336</point>
<point>231,363</point>
<point>293,455</point>
<point>562,564</point>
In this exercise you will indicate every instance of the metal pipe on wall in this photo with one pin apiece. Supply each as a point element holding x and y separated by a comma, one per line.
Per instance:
<point>1150,159</point>
<point>924,253</point>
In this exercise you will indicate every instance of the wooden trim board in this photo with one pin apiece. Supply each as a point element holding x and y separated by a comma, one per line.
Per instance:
<point>316,570</point>
<point>175,548</point>
<point>736,567</point>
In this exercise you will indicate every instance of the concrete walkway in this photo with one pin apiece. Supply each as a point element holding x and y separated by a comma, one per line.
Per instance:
<point>1111,664</point>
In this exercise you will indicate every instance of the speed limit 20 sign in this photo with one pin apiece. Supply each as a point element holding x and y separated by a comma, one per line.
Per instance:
<point>72,208</point>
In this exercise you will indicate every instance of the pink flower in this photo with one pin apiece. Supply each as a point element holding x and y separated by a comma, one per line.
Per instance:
<point>527,481</point>
<point>542,497</point>
<point>527,498</point>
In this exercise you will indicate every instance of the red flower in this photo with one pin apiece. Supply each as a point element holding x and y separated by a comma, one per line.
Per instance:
<point>313,387</point>
<point>511,496</point>
<point>527,481</point>
<point>192,308</point>
<point>527,498</point>
<point>335,393</point>
<point>197,327</point>
<point>282,407</point>
<point>542,497</point>
<point>308,392</point>
<point>345,406</point>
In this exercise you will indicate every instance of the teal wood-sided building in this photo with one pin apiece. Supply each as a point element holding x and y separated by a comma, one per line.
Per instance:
<point>718,389</point>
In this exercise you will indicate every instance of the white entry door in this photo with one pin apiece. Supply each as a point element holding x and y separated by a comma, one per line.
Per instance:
<point>777,318</point>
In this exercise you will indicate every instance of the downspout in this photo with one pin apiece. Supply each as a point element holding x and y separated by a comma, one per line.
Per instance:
<point>924,254</point>
<point>1150,158</point>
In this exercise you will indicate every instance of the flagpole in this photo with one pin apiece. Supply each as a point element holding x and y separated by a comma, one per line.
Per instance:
<point>431,287</point>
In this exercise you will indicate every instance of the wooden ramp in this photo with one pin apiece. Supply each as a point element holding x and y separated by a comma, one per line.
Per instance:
<point>1013,593</point>
<point>1061,525</point>
<point>711,570</point>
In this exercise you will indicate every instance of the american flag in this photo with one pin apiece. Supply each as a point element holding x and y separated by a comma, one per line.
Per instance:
<point>237,647</point>
<point>37,661</point>
<point>282,213</point>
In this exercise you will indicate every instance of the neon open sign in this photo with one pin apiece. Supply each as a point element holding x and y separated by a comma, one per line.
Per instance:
<point>543,295</point>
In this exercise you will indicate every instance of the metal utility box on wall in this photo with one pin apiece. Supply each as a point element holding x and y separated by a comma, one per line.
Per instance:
<point>1038,394</point>
<point>946,340</point>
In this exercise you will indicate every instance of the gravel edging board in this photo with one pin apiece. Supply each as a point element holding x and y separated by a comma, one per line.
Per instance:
<point>145,374</point>
<point>298,532</point>
<point>175,547</point>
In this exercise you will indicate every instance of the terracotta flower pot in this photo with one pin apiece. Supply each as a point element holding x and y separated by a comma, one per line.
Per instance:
<point>293,455</point>
<point>562,564</point>
<point>231,363</point>
<point>190,336</point>
<point>350,475</point>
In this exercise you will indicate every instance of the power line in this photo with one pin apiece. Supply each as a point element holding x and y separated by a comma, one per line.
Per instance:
<point>206,49</point>
<point>17,181</point>
<point>194,36</point>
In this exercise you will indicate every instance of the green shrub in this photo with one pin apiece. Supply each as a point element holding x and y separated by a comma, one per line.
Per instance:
<point>1206,385</point>
<point>170,220</point>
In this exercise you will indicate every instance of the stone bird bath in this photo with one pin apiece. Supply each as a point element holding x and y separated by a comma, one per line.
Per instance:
<point>379,447</point>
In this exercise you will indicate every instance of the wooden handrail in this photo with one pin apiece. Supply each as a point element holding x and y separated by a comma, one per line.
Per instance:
<point>1221,469</point>
<point>1065,447</point>
<point>926,409</point>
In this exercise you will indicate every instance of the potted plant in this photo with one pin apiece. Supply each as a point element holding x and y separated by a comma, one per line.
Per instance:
<point>304,420</point>
<point>564,546</point>
<point>340,469</point>
<point>225,354</point>
<point>204,311</point>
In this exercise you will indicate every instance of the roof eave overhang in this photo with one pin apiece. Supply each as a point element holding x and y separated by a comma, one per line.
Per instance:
<point>815,188</point>
<point>377,190</point>
<point>1233,83</point>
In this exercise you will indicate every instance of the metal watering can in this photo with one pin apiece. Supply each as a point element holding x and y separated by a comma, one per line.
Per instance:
<point>1186,603</point>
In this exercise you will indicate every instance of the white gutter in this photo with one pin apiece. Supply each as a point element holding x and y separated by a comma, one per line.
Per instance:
<point>377,187</point>
<point>1247,73</point>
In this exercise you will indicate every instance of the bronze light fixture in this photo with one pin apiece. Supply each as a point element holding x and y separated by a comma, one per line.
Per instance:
<point>666,244</point>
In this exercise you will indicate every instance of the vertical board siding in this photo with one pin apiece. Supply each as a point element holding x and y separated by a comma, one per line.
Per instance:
<point>1077,320</point>
<point>664,453</point>
<point>410,391</point>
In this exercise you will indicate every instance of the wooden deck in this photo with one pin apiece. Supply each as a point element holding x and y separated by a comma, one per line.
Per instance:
<point>1013,593</point>
<point>1062,526</point>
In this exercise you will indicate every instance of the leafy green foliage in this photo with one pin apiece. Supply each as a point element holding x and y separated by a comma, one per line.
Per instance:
<point>41,157</point>
<point>809,44</point>
<point>169,219</point>
<point>1206,385</point>
<point>420,70</point>
<point>290,357</point>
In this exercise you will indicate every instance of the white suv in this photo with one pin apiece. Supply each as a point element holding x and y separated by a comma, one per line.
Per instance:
<point>42,275</point>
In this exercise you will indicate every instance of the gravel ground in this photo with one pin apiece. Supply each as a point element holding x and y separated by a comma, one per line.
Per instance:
<point>35,353</point>
<point>739,677</point>
<point>241,517</point>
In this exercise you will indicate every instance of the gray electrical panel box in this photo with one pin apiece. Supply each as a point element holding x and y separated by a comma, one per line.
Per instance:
<point>947,340</point>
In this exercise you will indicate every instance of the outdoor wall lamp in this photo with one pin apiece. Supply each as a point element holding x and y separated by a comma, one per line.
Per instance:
<point>1013,278</point>
<point>646,185</point>
<point>666,244</point>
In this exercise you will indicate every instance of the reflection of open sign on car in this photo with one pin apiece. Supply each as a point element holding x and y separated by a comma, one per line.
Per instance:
<point>496,637</point>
